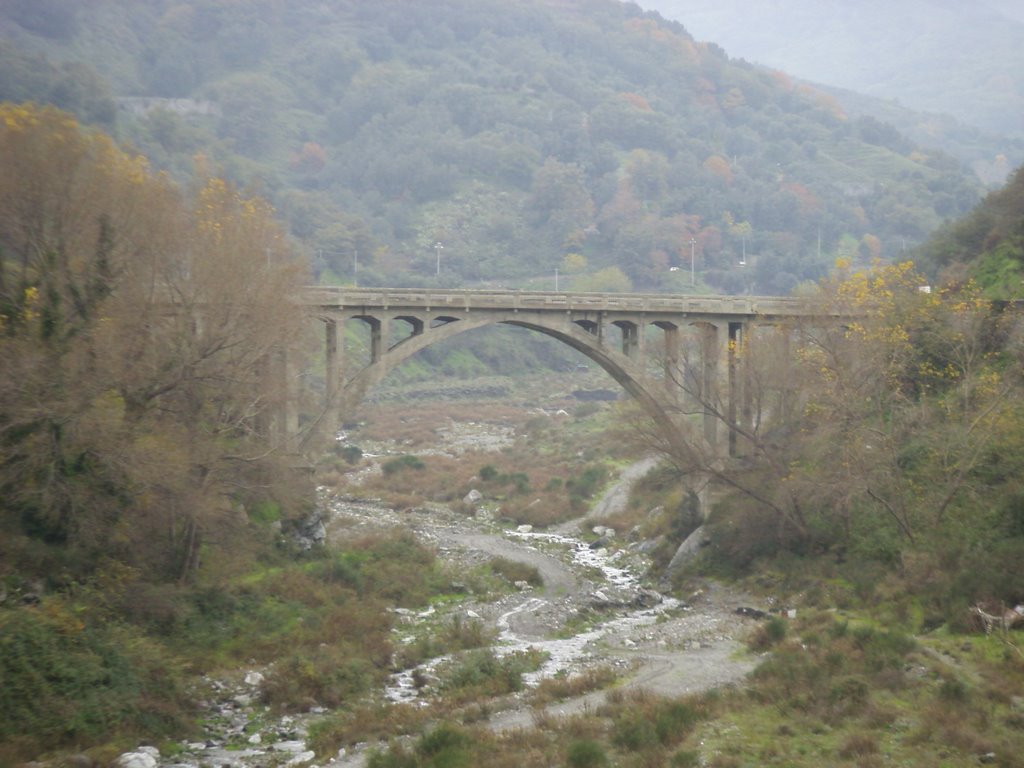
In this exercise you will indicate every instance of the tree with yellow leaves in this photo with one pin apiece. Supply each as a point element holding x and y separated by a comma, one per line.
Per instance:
<point>891,431</point>
<point>138,329</point>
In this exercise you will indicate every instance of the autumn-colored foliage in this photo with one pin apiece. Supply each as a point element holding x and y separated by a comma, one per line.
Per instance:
<point>138,326</point>
<point>719,166</point>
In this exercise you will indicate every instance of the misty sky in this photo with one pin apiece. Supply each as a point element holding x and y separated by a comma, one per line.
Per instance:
<point>965,59</point>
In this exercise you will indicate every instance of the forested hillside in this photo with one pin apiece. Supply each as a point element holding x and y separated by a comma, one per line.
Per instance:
<point>987,245</point>
<point>463,141</point>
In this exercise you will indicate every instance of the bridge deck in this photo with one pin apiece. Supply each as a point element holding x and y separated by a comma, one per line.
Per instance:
<point>505,300</point>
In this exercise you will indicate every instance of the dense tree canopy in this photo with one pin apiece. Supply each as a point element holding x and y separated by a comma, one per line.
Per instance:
<point>986,245</point>
<point>137,325</point>
<point>406,124</point>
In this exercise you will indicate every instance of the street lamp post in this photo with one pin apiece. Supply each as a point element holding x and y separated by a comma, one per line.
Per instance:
<point>437,249</point>
<point>693,281</point>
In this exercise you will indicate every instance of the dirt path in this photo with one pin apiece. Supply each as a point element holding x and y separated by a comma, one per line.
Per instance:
<point>615,498</point>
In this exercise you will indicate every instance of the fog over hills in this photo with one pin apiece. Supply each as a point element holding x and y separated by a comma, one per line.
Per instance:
<point>966,60</point>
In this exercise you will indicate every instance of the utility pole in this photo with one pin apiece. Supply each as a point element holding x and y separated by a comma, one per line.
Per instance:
<point>437,249</point>
<point>355,267</point>
<point>693,281</point>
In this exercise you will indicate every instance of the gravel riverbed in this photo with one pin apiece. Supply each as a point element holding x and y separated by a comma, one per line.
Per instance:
<point>671,647</point>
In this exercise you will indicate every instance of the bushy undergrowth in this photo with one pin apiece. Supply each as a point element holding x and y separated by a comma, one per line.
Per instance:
<point>76,669</point>
<point>481,674</point>
<point>830,692</point>
<point>445,746</point>
<point>514,571</point>
<point>68,681</point>
<point>456,634</point>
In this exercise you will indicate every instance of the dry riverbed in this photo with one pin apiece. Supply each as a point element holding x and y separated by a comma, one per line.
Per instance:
<point>670,647</point>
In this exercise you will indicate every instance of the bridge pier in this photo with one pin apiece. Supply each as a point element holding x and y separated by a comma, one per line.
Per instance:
<point>332,365</point>
<point>281,420</point>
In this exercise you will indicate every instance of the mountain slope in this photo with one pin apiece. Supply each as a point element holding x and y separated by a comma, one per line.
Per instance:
<point>581,135</point>
<point>986,245</point>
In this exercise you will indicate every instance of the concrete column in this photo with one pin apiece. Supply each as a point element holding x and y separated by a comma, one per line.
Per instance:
<point>282,418</point>
<point>265,416</point>
<point>290,405</point>
<point>714,359</point>
<point>673,344</point>
<point>379,337</point>
<point>630,339</point>
<point>331,368</point>
<point>738,405</point>
<point>785,395</point>
<point>747,377</point>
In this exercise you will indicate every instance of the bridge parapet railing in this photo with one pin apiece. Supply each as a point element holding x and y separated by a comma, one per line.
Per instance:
<point>468,299</point>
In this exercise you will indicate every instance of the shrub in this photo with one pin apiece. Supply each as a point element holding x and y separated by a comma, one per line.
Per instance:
<point>685,759</point>
<point>635,732</point>
<point>954,691</point>
<point>265,512</point>
<point>65,682</point>
<point>585,753</point>
<point>328,675</point>
<point>646,722</point>
<point>769,634</point>
<point>481,673</point>
<point>444,738</point>
<point>586,484</point>
<point>858,745</point>
<point>401,463</point>
<point>585,409</point>
<point>674,720</point>
<point>557,688</point>
<point>848,696</point>
<point>351,453</point>
<point>515,571</point>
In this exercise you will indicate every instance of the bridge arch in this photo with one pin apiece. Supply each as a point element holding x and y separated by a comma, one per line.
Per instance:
<point>585,336</point>
<point>580,320</point>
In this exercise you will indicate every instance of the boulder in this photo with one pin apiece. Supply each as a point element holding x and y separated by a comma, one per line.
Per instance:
<point>647,598</point>
<point>649,545</point>
<point>473,498</point>
<point>135,760</point>
<point>689,549</point>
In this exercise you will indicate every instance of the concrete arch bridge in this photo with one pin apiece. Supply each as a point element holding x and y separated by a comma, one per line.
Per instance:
<point>613,330</point>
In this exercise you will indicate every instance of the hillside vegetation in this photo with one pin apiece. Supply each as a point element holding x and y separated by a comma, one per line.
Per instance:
<point>987,245</point>
<point>462,141</point>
